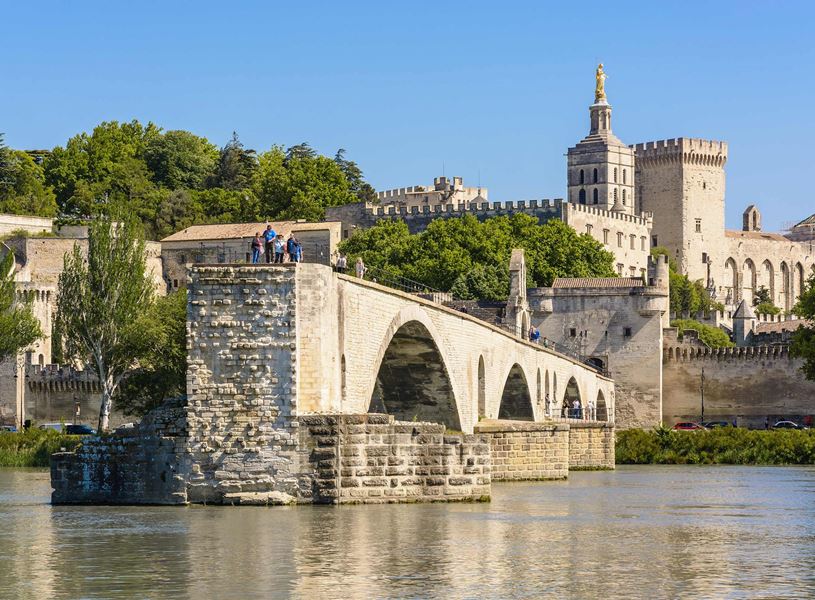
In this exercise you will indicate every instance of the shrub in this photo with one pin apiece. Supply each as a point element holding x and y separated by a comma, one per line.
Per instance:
<point>712,336</point>
<point>724,445</point>
<point>34,447</point>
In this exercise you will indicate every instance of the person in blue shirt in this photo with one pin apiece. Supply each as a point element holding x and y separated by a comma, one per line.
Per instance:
<point>291,248</point>
<point>269,235</point>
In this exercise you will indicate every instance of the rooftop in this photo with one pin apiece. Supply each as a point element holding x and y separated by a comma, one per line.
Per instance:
<point>808,222</point>
<point>230,231</point>
<point>597,282</point>
<point>755,235</point>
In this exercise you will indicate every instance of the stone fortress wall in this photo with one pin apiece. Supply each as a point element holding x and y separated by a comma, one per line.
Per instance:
<point>749,385</point>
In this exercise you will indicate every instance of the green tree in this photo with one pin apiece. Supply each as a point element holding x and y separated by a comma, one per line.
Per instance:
<point>180,159</point>
<point>98,300</point>
<point>298,186</point>
<point>158,337</point>
<point>686,297</point>
<point>23,190</point>
<point>93,163</point>
<point>762,296</point>
<point>236,166</point>
<point>712,336</point>
<point>363,190</point>
<point>803,340</point>
<point>472,257</point>
<point>19,328</point>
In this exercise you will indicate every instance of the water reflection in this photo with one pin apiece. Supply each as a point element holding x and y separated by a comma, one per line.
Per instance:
<point>662,532</point>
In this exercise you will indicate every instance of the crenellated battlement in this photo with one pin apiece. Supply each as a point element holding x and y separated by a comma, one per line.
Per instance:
<point>686,352</point>
<point>682,150</point>
<point>646,219</point>
<point>60,378</point>
<point>479,208</point>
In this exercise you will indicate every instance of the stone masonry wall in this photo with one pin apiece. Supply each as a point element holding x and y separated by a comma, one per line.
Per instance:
<point>133,465</point>
<point>371,458</point>
<point>242,383</point>
<point>591,446</point>
<point>527,451</point>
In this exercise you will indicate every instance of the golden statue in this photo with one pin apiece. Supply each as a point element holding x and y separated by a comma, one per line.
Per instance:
<point>600,88</point>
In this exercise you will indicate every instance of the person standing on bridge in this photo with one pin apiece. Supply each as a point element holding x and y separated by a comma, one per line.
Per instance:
<point>269,236</point>
<point>577,413</point>
<point>534,334</point>
<point>279,248</point>
<point>342,263</point>
<point>360,268</point>
<point>257,247</point>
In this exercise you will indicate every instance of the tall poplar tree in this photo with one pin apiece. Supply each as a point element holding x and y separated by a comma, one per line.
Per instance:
<point>99,299</point>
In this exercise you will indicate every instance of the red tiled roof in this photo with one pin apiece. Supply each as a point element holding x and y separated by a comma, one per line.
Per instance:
<point>597,282</point>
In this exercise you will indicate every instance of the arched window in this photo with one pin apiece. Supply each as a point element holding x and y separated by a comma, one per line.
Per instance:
<point>615,174</point>
<point>615,195</point>
<point>623,197</point>
<point>595,176</point>
<point>623,176</point>
<point>595,196</point>
<point>582,177</point>
<point>582,196</point>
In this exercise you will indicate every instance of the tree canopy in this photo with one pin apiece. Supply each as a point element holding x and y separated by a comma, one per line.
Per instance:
<point>173,179</point>
<point>471,258</point>
<point>19,328</point>
<point>99,299</point>
<point>687,298</point>
<point>803,340</point>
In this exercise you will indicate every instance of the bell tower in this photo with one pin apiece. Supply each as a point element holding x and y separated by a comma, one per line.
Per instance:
<point>600,168</point>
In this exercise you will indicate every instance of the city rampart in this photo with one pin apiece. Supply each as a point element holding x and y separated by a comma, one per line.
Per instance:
<point>749,385</point>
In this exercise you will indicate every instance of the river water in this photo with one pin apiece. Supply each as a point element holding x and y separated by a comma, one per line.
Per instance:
<point>638,532</point>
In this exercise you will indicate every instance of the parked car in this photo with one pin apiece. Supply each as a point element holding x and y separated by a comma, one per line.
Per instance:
<point>8,429</point>
<point>714,424</point>
<point>79,430</point>
<point>787,425</point>
<point>687,426</point>
<point>69,428</point>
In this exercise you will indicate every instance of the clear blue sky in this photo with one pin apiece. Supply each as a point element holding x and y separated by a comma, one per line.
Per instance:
<point>496,88</point>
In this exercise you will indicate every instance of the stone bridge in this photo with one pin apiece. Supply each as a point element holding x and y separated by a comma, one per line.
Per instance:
<point>357,346</point>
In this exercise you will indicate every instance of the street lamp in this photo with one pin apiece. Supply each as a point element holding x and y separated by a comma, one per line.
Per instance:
<point>702,389</point>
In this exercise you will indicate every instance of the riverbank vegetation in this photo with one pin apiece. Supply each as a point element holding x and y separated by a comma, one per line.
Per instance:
<point>33,447</point>
<point>723,445</point>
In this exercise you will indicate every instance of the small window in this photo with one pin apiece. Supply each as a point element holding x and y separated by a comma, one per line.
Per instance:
<point>582,177</point>
<point>620,269</point>
<point>654,241</point>
<point>623,176</point>
<point>595,176</point>
<point>615,174</point>
<point>626,332</point>
<point>643,241</point>
<point>588,228</point>
<point>595,196</point>
<point>175,283</point>
<point>615,195</point>
<point>633,241</point>
<point>623,197</point>
<point>605,236</point>
<point>619,239</point>
<point>704,258</point>
<point>698,225</point>
<point>704,185</point>
<point>632,271</point>
<point>183,259</point>
<point>572,332</point>
<point>581,197</point>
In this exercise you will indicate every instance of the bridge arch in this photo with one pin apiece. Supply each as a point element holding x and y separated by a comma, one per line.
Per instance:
<point>601,408</point>
<point>411,380</point>
<point>516,401</point>
<point>571,393</point>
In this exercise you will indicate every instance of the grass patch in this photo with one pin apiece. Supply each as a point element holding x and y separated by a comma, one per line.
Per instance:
<point>34,447</point>
<point>720,446</point>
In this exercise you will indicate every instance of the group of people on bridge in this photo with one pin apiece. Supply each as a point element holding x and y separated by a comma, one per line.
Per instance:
<point>275,247</point>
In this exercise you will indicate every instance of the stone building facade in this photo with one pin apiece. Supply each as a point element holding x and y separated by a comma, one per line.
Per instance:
<point>443,191</point>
